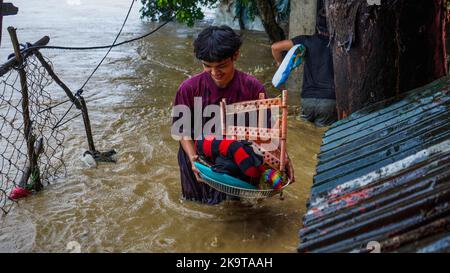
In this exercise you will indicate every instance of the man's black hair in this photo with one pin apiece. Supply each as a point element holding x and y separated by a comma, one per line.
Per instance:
<point>216,43</point>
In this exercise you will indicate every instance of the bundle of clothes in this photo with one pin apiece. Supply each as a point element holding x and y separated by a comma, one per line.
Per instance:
<point>239,159</point>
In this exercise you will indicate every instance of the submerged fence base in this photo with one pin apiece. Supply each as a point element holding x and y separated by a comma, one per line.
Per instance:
<point>31,139</point>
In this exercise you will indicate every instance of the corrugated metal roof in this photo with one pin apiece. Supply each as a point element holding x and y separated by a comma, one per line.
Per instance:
<point>384,175</point>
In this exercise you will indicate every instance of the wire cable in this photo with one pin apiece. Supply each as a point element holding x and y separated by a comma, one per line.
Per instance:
<point>109,50</point>
<point>102,47</point>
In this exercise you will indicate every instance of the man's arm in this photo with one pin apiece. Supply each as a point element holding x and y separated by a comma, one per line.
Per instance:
<point>279,47</point>
<point>188,147</point>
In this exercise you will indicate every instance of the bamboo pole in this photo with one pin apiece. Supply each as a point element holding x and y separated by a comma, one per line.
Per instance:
<point>28,134</point>
<point>30,162</point>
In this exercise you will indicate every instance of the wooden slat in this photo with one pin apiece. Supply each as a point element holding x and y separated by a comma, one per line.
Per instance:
<point>271,158</point>
<point>253,133</point>
<point>254,105</point>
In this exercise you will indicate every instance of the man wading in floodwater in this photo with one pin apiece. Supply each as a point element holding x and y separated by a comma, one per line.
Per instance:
<point>218,49</point>
<point>318,98</point>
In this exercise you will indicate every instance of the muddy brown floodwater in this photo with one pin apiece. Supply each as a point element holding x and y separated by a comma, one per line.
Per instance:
<point>135,205</point>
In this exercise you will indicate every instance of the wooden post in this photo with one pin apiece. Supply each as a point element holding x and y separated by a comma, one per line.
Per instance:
<point>32,162</point>
<point>5,10</point>
<point>87,124</point>
<point>28,130</point>
<point>1,20</point>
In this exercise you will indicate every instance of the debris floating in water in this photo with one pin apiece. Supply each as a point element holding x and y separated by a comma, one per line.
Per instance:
<point>18,192</point>
<point>88,160</point>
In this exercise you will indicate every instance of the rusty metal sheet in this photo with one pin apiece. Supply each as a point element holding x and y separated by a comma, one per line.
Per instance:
<point>384,175</point>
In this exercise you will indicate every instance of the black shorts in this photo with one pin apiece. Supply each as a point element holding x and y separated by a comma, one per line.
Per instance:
<point>322,112</point>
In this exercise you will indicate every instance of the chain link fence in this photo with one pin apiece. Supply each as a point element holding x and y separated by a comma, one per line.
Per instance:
<point>31,138</point>
<point>14,155</point>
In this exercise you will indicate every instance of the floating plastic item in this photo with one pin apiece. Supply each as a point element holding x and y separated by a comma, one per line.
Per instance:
<point>233,186</point>
<point>18,192</point>
<point>272,178</point>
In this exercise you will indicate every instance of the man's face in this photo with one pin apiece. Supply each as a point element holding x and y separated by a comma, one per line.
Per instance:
<point>221,72</point>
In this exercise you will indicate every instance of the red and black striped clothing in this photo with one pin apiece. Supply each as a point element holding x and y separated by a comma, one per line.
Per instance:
<point>240,152</point>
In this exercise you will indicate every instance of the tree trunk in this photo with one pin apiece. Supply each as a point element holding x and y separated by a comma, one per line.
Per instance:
<point>380,51</point>
<point>267,13</point>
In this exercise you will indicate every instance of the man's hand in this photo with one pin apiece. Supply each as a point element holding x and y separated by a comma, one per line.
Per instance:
<point>194,158</point>
<point>189,149</point>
